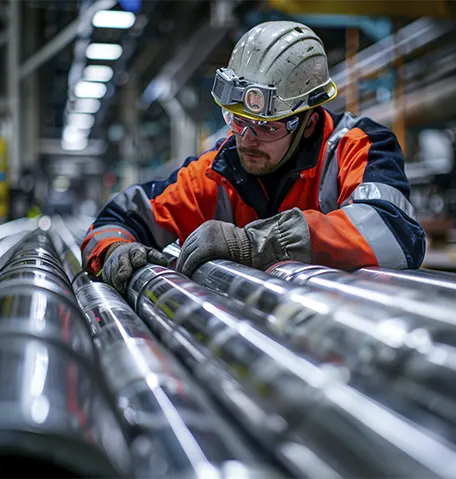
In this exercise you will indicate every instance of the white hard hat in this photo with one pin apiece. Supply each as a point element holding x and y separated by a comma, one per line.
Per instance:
<point>277,69</point>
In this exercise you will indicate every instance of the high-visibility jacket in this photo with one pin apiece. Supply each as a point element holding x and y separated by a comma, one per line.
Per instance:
<point>353,192</point>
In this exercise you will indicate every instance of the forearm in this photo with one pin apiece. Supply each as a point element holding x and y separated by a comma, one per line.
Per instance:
<point>127,218</point>
<point>365,234</point>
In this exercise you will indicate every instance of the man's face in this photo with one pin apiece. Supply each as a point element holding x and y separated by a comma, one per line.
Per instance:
<point>260,157</point>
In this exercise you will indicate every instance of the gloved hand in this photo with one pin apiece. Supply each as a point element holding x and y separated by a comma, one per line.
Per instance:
<point>259,244</point>
<point>213,240</point>
<point>122,259</point>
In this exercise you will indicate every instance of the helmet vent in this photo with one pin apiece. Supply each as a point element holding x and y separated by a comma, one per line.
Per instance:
<point>299,29</point>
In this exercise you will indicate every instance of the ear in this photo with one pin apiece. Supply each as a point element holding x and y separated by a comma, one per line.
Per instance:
<point>311,124</point>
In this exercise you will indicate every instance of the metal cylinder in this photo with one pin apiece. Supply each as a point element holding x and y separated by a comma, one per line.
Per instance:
<point>66,247</point>
<point>340,283</point>
<point>427,281</point>
<point>160,400</point>
<point>331,329</point>
<point>277,394</point>
<point>54,411</point>
<point>57,414</point>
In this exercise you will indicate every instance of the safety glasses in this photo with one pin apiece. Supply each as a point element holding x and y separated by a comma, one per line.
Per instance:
<point>263,130</point>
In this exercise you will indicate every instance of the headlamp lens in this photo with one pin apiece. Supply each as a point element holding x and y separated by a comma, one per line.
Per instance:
<point>263,130</point>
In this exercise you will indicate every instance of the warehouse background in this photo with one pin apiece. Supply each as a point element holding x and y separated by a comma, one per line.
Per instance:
<point>97,95</point>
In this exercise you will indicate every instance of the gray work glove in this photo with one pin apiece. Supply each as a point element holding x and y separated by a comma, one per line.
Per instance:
<point>259,244</point>
<point>122,259</point>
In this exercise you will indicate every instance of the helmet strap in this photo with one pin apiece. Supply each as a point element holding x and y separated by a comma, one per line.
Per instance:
<point>296,140</point>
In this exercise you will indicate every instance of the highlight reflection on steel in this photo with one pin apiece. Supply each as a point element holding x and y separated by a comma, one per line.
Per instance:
<point>157,395</point>
<point>427,281</point>
<point>431,307</point>
<point>54,404</point>
<point>333,329</point>
<point>300,412</point>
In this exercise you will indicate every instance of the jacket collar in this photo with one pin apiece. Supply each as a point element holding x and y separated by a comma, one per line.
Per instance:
<point>226,165</point>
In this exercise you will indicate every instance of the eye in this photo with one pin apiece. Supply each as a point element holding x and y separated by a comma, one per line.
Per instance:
<point>272,129</point>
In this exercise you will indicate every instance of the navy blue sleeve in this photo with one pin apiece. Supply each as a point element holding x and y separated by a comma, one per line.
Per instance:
<point>385,164</point>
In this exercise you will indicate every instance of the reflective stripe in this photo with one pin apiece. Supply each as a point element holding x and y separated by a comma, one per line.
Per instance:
<point>380,191</point>
<point>135,199</point>
<point>328,191</point>
<point>384,245</point>
<point>223,210</point>
<point>103,232</point>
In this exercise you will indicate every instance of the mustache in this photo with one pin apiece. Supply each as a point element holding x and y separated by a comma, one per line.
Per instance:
<point>253,151</point>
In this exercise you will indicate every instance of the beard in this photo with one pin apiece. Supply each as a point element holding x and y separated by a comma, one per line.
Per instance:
<point>257,164</point>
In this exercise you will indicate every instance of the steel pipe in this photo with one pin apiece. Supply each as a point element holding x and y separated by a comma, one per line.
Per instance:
<point>334,328</point>
<point>66,247</point>
<point>276,394</point>
<point>427,281</point>
<point>159,398</point>
<point>177,429</point>
<point>439,308</point>
<point>57,415</point>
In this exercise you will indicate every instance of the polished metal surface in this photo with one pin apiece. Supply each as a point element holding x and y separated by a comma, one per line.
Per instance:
<point>54,409</point>
<point>28,277</point>
<point>37,312</point>
<point>156,394</point>
<point>23,262</point>
<point>67,250</point>
<point>277,394</point>
<point>304,372</point>
<point>426,281</point>
<point>57,415</point>
<point>332,329</point>
<point>431,307</point>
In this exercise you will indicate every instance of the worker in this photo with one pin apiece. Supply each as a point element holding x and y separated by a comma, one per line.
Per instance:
<point>292,181</point>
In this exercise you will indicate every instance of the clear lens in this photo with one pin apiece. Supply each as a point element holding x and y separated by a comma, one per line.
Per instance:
<point>263,130</point>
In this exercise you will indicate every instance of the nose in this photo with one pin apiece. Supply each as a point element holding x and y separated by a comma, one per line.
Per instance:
<point>248,138</point>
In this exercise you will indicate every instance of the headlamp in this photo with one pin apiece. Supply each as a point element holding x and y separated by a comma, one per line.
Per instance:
<point>259,101</point>
<point>229,89</point>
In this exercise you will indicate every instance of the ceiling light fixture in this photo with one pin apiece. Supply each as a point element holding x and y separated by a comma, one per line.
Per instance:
<point>86,105</point>
<point>113,19</point>
<point>104,51</point>
<point>80,120</point>
<point>75,145</point>
<point>86,89</point>
<point>100,73</point>
<point>71,134</point>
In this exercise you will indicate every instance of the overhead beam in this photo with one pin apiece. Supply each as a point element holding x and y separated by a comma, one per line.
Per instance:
<point>180,69</point>
<point>386,52</point>
<point>375,8</point>
<point>65,37</point>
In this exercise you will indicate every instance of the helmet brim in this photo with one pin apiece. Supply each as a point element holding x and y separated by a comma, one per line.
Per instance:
<point>238,108</point>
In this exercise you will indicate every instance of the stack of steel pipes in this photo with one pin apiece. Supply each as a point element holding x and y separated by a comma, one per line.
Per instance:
<point>176,430</point>
<point>57,418</point>
<point>386,344</point>
<point>300,371</point>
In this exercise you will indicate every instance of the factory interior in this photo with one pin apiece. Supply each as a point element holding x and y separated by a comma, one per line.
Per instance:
<point>300,371</point>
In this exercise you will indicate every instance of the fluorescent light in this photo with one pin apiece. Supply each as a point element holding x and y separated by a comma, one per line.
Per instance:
<point>72,134</point>
<point>103,51</point>
<point>113,19</point>
<point>75,145</point>
<point>98,73</point>
<point>86,105</point>
<point>86,89</point>
<point>80,120</point>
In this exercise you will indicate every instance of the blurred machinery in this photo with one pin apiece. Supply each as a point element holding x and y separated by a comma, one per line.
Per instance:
<point>300,371</point>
